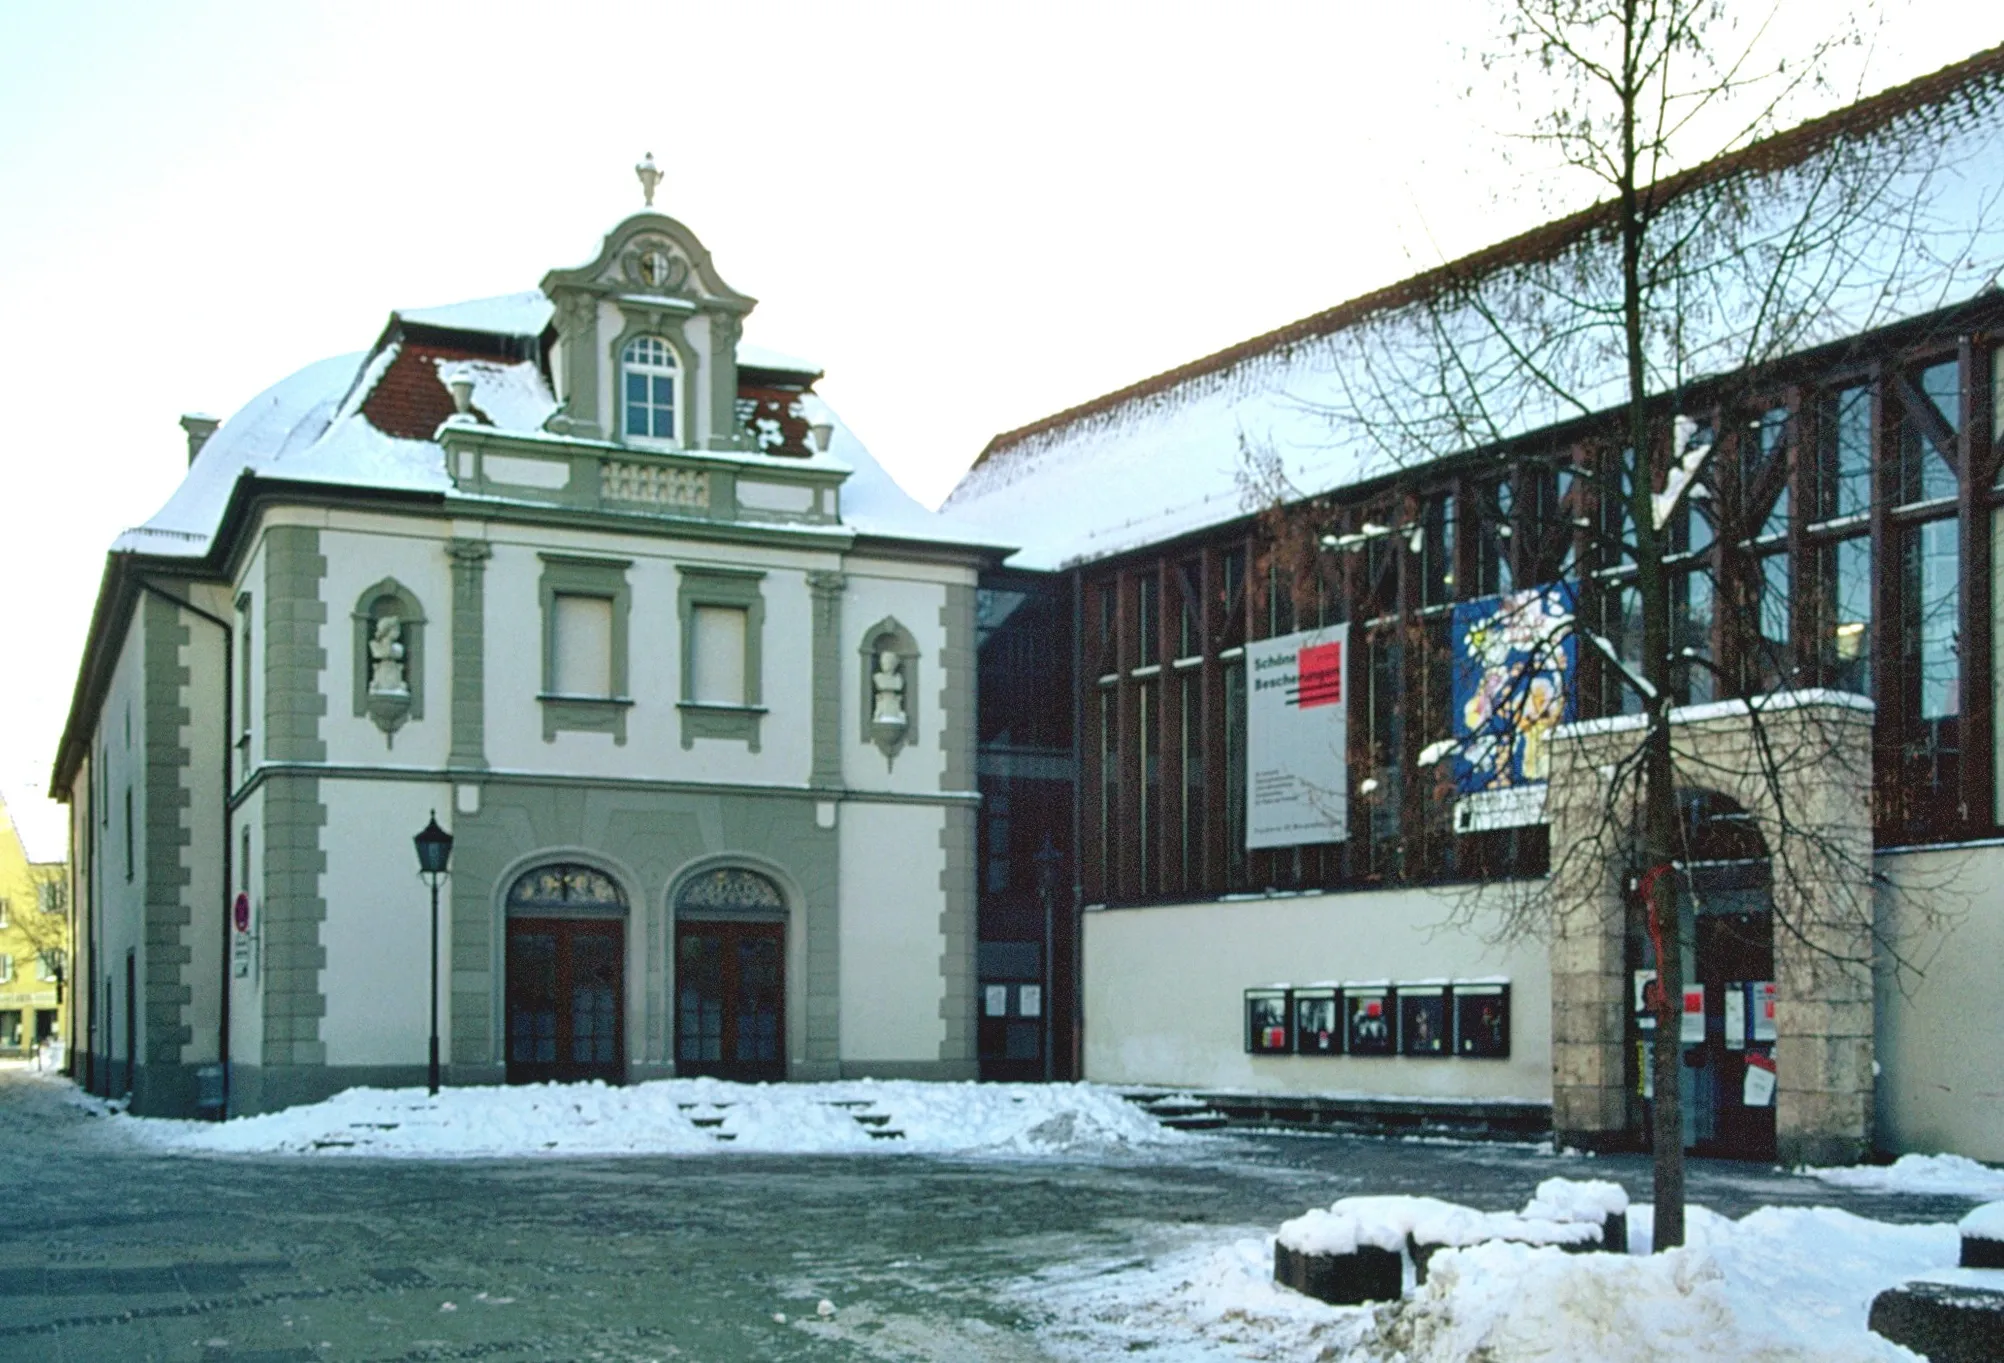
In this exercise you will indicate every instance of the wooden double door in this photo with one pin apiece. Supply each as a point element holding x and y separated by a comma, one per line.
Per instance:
<point>566,1000</point>
<point>730,1000</point>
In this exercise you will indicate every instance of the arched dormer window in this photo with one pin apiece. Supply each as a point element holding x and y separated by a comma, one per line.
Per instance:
<point>652,383</point>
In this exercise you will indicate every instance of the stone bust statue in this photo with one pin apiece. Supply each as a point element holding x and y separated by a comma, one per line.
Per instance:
<point>887,687</point>
<point>386,658</point>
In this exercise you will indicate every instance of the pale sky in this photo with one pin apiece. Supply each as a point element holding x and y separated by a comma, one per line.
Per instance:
<point>969,216</point>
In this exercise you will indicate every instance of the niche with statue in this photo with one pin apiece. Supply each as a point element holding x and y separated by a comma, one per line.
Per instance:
<point>389,657</point>
<point>890,687</point>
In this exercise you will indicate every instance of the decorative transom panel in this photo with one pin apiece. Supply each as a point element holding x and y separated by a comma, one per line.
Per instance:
<point>564,888</point>
<point>730,887</point>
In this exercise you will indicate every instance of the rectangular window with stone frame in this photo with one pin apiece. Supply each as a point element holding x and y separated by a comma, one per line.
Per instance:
<point>722,617</point>
<point>586,603</point>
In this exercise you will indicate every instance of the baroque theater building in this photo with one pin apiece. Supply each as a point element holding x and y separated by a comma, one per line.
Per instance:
<point>608,591</point>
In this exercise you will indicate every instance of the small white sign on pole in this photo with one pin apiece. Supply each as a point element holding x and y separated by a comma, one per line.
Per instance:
<point>1297,739</point>
<point>1692,1032</point>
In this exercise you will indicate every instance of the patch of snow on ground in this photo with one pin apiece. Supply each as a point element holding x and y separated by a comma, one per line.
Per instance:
<point>1193,1305</point>
<point>1944,1175</point>
<point>1783,1285</point>
<point>663,1117</point>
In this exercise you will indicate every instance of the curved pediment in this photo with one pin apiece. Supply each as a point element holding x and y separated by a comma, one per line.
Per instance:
<point>651,255</point>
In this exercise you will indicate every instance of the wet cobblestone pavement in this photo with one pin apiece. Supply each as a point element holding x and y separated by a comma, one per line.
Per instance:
<point>108,1252</point>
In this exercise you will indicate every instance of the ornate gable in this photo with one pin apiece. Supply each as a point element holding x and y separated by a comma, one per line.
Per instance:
<point>652,280</point>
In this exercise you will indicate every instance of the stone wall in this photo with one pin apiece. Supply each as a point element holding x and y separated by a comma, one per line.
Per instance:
<point>1801,765</point>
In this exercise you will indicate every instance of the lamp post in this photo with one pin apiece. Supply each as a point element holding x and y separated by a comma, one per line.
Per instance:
<point>434,853</point>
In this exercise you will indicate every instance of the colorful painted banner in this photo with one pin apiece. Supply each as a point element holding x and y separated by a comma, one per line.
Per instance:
<point>1297,732</point>
<point>1515,660</point>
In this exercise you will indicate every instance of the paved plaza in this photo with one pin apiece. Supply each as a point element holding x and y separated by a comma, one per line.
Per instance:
<point>111,1252</point>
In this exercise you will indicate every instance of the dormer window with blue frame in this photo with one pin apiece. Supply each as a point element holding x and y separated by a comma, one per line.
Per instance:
<point>651,376</point>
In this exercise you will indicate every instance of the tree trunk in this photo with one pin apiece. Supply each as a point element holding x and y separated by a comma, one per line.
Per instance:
<point>1652,585</point>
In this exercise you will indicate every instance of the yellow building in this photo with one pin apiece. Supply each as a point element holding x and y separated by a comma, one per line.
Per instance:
<point>34,944</point>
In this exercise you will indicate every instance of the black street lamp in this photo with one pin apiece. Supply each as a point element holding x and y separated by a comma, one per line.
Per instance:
<point>434,854</point>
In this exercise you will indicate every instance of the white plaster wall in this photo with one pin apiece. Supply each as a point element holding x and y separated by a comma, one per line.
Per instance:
<point>248,720</point>
<point>1941,1024</point>
<point>247,994</point>
<point>891,941</point>
<point>913,594</point>
<point>653,749</point>
<point>203,738</point>
<point>121,905</point>
<point>361,552</point>
<point>1164,993</point>
<point>378,930</point>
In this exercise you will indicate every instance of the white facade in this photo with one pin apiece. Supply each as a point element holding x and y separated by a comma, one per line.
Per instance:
<point>491,606</point>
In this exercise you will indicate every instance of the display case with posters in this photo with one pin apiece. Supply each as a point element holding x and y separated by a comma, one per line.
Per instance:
<point>1423,1020</point>
<point>1315,1029</point>
<point>1267,1028</point>
<point>1368,1027</point>
<point>1482,1019</point>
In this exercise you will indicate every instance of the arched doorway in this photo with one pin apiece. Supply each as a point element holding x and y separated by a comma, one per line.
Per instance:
<point>1726,930</point>
<point>730,976</point>
<point>566,976</point>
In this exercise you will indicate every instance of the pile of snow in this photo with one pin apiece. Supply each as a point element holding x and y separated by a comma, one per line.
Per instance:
<point>1338,1232</point>
<point>1940,1175</point>
<point>1780,1285</point>
<point>681,1116</point>
<point>1388,1222</point>
<point>1985,1223</point>
<point>1585,1200</point>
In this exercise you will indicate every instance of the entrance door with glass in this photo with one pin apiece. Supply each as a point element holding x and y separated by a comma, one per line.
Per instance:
<point>566,977</point>
<point>730,1000</point>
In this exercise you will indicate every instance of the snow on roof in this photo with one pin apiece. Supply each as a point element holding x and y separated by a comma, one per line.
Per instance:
<point>510,314</point>
<point>872,501</point>
<point>284,419</point>
<point>754,356</point>
<point>311,427</point>
<point>513,396</point>
<point>1360,390</point>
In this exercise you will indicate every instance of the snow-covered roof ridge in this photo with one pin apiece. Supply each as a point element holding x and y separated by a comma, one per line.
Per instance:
<point>510,314</point>
<point>313,427</point>
<point>1167,452</point>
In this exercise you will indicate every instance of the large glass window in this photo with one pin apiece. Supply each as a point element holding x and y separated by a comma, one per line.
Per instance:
<point>1148,617</point>
<point>1774,664</point>
<point>1927,448</point>
<point>1847,615</point>
<point>1191,832</point>
<point>1933,579</point>
<point>1691,636</point>
<point>651,376</point>
<point>1847,452</point>
<point>1235,774</point>
<point>1436,536</point>
<point>1148,720</point>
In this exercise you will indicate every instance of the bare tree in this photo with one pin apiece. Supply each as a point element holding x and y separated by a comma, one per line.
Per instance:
<point>1639,328</point>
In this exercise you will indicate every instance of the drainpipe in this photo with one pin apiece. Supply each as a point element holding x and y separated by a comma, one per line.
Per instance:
<point>229,721</point>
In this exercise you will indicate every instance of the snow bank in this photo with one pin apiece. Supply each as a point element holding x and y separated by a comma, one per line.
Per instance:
<point>1783,1285</point>
<point>1942,1175</point>
<point>1566,1199</point>
<point>1387,1221</point>
<point>1985,1223</point>
<point>681,1116</point>
<point>1320,1232</point>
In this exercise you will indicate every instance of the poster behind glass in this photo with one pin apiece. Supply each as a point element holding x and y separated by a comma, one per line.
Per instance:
<point>1367,1020</point>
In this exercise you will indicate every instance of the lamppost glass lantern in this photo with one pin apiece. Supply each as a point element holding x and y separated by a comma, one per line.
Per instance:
<point>434,854</point>
<point>434,848</point>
